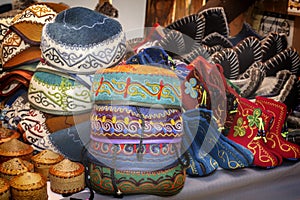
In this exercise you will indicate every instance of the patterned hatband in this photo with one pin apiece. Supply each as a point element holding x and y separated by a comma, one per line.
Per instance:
<point>58,95</point>
<point>127,156</point>
<point>115,122</point>
<point>137,85</point>
<point>164,182</point>
<point>15,51</point>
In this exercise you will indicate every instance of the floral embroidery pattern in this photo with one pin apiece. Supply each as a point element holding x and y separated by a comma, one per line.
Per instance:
<point>255,118</point>
<point>239,130</point>
<point>190,88</point>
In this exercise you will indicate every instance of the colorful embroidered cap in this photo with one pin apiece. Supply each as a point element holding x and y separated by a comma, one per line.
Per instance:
<point>29,23</point>
<point>58,95</point>
<point>155,131</point>
<point>137,85</point>
<point>81,40</point>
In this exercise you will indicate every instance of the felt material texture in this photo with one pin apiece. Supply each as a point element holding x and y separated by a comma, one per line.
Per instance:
<point>228,59</point>
<point>201,163</point>
<point>137,84</point>
<point>29,23</point>
<point>275,141</point>
<point>249,129</point>
<point>69,142</point>
<point>192,27</point>
<point>248,51</point>
<point>200,123</point>
<point>157,132</point>
<point>154,56</point>
<point>15,51</point>
<point>81,40</point>
<point>288,59</point>
<point>167,181</point>
<point>58,95</point>
<point>217,17</point>
<point>273,44</point>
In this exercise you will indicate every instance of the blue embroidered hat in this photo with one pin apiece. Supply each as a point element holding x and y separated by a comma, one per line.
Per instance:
<point>80,40</point>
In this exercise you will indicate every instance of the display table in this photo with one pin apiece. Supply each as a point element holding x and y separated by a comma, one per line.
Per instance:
<point>282,182</point>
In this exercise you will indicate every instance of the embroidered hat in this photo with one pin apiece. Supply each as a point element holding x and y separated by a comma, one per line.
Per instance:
<point>59,95</point>
<point>15,51</point>
<point>81,40</point>
<point>232,8</point>
<point>5,20</point>
<point>142,85</point>
<point>29,23</point>
<point>11,81</point>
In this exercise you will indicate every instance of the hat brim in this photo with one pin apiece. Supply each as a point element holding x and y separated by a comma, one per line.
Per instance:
<point>192,28</point>
<point>215,21</point>
<point>248,51</point>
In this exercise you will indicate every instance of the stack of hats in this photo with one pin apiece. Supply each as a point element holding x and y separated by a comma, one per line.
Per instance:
<point>263,72</point>
<point>252,68</point>
<point>20,53</point>
<point>136,131</point>
<point>74,46</point>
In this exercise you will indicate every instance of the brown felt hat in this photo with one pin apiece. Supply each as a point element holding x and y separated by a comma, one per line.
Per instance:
<point>232,8</point>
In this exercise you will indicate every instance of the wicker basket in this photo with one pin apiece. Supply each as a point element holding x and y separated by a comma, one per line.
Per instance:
<point>7,134</point>
<point>14,167</point>
<point>44,160</point>
<point>4,189</point>
<point>15,149</point>
<point>29,186</point>
<point>67,177</point>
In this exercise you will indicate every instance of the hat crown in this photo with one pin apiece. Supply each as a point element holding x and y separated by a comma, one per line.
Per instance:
<point>82,27</point>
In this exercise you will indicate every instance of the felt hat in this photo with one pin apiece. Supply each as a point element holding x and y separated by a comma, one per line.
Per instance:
<point>273,44</point>
<point>287,59</point>
<point>15,51</point>
<point>232,8</point>
<point>215,21</point>
<point>5,21</point>
<point>29,23</point>
<point>57,94</point>
<point>192,27</point>
<point>142,85</point>
<point>81,40</point>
